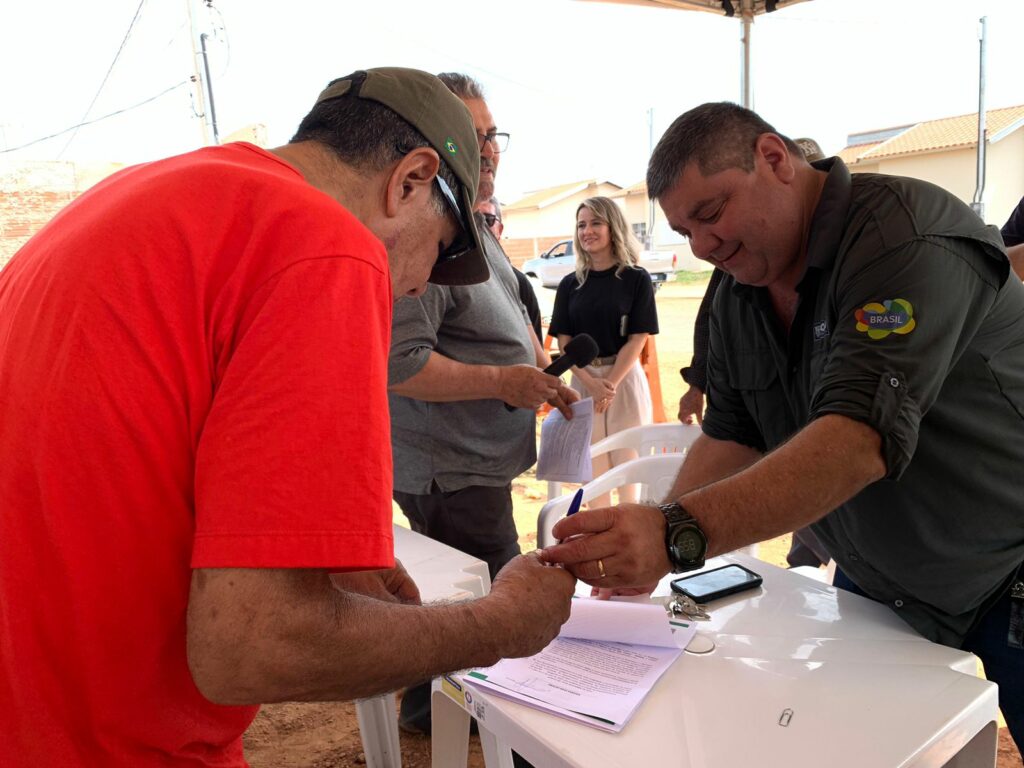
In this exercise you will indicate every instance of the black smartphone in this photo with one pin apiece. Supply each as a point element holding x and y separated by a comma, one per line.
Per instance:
<point>718,582</point>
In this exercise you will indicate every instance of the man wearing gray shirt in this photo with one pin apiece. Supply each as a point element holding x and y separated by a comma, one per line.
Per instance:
<point>459,354</point>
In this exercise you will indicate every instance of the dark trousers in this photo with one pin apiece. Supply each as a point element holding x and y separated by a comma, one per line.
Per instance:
<point>998,640</point>
<point>476,520</point>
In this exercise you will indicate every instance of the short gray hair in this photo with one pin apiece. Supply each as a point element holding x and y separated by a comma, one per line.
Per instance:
<point>716,136</point>
<point>463,86</point>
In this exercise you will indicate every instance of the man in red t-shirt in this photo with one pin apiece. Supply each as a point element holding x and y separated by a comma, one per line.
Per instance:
<point>195,434</point>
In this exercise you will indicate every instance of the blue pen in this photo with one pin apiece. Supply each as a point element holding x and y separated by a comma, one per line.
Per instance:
<point>574,506</point>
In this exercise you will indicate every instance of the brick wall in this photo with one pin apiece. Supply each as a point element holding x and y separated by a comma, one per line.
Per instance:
<point>32,192</point>
<point>30,195</point>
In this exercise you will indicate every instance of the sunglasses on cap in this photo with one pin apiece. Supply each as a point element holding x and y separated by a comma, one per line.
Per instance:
<point>463,242</point>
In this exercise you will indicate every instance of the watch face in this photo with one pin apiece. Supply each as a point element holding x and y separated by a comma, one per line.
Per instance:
<point>689,545</point>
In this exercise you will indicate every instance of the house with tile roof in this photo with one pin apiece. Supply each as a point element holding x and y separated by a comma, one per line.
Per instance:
<point>944,152</point>
<point>637,207</point>
<point>543,217</point>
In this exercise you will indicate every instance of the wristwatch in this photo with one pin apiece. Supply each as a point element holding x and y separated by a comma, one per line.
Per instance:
<point>684,540</point>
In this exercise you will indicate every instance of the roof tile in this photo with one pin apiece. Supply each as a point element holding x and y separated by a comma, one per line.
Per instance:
<point>942,134</point>
<point>544,197</point>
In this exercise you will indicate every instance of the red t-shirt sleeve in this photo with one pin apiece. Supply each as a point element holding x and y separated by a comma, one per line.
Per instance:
<point>293,467</point>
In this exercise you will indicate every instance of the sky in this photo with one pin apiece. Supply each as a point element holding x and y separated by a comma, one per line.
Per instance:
<point>581,86</point>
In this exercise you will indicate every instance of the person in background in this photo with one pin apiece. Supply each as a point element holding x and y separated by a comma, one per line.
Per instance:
<point>490,209</point>
<point>805,548</point>
<point>611,298</point>
<point>197,471</point>
<point>1013,239</point>
<point>459,353</point>
<point>695,375</point>
<point>491,212</point>
<point>866,378</point>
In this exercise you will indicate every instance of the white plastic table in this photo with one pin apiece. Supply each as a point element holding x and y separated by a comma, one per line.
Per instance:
<point>801,674</point>
<point>441,573</point>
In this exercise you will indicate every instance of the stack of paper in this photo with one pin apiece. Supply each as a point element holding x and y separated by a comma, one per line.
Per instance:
<point>606,659</point>
<point>565,445</point>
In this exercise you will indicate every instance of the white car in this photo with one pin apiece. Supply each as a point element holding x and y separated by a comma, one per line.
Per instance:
<point>560,259</point>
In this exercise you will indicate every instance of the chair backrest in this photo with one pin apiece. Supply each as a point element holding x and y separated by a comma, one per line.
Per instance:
<point>646,440</point>
<point>655,474</point>
<point>649,439</point>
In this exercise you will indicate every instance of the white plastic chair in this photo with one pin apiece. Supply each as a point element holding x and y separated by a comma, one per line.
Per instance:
<point>646,440</point>
<point>655,474</point>
<point>649,439</point>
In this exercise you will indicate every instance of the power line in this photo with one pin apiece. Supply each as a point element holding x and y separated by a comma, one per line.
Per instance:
<point>110,69</point>
<point>95,120</point>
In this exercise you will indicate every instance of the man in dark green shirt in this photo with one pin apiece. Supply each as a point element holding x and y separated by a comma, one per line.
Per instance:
<point>866,376</point>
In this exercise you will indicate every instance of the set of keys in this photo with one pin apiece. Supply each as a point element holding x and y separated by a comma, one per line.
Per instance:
<point>682,605</point>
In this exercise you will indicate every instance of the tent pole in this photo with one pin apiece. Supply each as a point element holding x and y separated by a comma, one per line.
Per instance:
<point>746,27</point>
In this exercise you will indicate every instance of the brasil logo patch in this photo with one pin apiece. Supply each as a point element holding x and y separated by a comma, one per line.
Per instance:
<point>451,146</point>
<point>892,316</point>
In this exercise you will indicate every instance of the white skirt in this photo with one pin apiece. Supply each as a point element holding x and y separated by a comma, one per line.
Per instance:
<point>630,407</point>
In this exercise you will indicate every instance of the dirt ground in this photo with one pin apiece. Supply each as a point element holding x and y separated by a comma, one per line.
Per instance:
<point>294,735</point>
<point>327,736</point>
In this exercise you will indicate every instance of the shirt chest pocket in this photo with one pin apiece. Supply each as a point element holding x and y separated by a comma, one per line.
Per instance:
<point>755,379</point>
<point>623,308</point>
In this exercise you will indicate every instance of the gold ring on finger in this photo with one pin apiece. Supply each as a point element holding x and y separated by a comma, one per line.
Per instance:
<point>600,568</point>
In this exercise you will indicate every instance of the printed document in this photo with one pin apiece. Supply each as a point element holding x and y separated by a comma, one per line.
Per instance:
<point>565,444</point>
<point>606,659</point>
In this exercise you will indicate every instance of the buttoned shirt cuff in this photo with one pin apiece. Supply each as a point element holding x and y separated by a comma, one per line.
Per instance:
<point>720,425</point>
<point>692,376</point>
<point>891,412</point>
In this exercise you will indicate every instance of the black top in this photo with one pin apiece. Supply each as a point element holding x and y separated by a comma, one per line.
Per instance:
<point>907,322</point>
<point>1013,229</point>
<point>607,307</point>
<point>529,299</point>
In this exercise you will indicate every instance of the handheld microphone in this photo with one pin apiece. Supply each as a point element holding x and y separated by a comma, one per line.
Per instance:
<point>580,351</point>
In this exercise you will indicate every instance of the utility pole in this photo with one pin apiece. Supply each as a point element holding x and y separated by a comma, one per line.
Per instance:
<point>209,87</point>
<point>978,204</point>
<point>200,79</point>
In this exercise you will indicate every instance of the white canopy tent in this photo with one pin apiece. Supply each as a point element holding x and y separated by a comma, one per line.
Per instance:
<point>746,10</point>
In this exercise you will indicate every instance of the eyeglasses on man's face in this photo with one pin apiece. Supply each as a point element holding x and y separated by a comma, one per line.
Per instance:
<point>498,141</point>
<point>463,242</point>
<point>490,219</point>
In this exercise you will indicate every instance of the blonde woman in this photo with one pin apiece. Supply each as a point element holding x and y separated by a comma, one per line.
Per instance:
<point>612,299</point>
